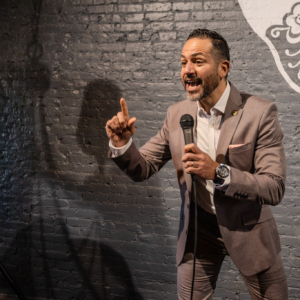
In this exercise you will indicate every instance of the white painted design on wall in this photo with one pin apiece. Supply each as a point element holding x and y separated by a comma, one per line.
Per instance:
<point>277,22</point>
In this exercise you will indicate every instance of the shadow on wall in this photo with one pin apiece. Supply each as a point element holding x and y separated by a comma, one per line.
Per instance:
<point>103,270</point>
<point>99,265</point>
<point>23,88</point>
<point>100,103</point>
<point>29,228</point>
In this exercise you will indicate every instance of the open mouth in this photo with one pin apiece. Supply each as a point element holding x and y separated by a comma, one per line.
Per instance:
<point>192,84</point>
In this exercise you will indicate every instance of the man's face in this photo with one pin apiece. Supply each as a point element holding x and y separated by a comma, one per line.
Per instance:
<point>199,72</point>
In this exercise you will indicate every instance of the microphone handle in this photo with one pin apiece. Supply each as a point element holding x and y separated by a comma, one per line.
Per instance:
<point>189,139</point>
<point>188,136</point>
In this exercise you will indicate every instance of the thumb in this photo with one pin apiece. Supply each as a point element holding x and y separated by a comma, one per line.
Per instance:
<point>131,122</point>
<point>131,125</point>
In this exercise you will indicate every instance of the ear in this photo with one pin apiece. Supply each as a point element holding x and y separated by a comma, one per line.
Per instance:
<point>223,68</point>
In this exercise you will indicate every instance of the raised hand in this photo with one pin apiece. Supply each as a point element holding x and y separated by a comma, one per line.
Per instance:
<point>120,128</point>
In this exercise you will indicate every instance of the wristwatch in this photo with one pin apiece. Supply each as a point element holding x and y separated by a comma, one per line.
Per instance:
<point>222,172</point>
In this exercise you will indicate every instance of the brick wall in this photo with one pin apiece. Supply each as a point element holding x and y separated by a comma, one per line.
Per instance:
<point>72,225</point>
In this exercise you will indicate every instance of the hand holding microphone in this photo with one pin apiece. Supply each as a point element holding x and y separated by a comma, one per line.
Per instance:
<point>121,127</point>
<point>196,161</point>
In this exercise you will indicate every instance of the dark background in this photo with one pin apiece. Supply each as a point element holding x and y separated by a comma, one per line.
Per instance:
<point>72,225</point>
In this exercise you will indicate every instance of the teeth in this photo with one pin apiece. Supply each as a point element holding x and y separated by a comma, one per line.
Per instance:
<point>192,83</point>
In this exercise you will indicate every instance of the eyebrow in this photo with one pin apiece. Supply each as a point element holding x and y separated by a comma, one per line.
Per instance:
<point>194,54</point>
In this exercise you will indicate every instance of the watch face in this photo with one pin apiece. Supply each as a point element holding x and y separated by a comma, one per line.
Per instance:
<point>223,171</point>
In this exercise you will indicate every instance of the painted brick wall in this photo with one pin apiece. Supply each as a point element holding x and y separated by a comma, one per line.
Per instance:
<point>72,225</point>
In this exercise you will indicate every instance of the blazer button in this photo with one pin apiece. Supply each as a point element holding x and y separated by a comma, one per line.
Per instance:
<point>186,232</point>
<point>188,206</point>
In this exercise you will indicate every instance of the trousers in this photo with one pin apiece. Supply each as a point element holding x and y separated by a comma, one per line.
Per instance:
<point>270,284</point>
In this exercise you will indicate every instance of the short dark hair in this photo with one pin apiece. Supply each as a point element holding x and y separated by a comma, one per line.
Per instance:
<point>220,47</point>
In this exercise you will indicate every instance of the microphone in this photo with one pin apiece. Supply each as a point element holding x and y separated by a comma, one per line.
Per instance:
<point>187,124</point>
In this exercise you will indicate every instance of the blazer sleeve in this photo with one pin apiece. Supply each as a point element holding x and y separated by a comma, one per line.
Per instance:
<point>267,183</point>
<point>141,164</point>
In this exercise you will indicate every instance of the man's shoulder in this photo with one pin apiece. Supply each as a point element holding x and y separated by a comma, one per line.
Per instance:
<point>247,98</point>
<point>258,105</point>
<point>254,99</point>
<point>250,101</point>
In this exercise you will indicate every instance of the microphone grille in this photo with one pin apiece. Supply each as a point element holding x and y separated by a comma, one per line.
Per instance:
<point>186,121</point>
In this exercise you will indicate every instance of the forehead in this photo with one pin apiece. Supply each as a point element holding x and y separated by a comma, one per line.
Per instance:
<point>196,45</point>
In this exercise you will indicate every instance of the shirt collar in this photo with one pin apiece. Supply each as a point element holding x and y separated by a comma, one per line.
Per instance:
<point>219,106</point>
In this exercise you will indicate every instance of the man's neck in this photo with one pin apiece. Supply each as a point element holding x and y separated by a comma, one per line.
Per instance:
<point>210,101</point>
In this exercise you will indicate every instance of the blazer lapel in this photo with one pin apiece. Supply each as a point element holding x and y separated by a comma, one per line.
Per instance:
<point>231,118</point>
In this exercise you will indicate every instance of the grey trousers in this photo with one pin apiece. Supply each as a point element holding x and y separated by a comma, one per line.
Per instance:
<point>270,284</point>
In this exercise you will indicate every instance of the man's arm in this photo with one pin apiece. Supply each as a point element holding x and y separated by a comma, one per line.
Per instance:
<point>267,184</point>
<point>141,164</point>
<point>121,127</point>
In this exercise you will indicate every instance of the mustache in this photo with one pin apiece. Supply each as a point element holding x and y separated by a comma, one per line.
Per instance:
<point>195,79</point>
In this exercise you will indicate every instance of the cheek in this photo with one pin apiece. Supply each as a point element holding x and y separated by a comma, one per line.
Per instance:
<point>201,72</point>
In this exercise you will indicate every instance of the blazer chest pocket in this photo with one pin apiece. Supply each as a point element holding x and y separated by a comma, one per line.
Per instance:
<point>241,157</point>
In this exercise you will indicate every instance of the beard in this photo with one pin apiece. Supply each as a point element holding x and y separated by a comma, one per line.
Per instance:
<point>208,86</point>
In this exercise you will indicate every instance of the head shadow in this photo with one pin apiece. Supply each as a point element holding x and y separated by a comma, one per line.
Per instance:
<point>100,103</point>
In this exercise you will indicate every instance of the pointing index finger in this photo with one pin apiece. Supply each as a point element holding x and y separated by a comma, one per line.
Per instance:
<point>124,107</point>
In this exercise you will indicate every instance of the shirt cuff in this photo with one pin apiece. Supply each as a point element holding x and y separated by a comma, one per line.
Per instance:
<point>224,186</point>
<point>118,151</point>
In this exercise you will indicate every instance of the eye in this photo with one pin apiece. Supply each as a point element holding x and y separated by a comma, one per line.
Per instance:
<point>199,62</point>
<point>183,63</point>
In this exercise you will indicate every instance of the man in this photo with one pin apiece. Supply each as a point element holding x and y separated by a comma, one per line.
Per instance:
<point>239,162</point>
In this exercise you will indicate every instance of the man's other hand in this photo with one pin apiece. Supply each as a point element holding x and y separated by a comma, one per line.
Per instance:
<point>198,162</point>
<point>121,128</point>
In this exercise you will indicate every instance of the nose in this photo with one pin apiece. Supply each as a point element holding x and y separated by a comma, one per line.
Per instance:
<point>189,68</point>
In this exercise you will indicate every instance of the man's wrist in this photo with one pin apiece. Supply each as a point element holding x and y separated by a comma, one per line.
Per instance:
<point>221,173</point>
<point>215,168</point>
<point>119,144</point>
<point>118,151</point>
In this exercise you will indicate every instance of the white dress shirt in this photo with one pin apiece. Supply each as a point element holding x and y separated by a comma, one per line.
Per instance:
<point>207,137</point>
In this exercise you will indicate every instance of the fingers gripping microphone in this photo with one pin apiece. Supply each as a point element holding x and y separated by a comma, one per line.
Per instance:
<point>187,125</point>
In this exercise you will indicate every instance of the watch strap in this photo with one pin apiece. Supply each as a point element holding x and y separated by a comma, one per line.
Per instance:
<point>218,180</point>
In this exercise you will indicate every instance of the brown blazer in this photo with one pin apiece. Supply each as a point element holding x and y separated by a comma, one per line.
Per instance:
<point>258,170</point>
